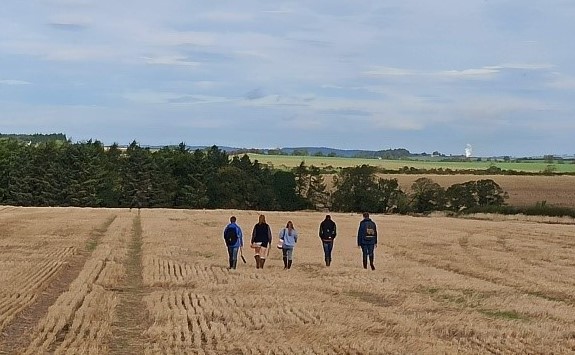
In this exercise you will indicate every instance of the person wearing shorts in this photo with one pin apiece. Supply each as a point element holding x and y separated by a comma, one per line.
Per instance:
<point>261,241</point>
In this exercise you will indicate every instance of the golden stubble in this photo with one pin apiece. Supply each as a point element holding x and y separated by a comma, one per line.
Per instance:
<point>442,285</point>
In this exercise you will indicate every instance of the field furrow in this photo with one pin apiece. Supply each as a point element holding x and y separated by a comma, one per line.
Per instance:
<point>156,282</point>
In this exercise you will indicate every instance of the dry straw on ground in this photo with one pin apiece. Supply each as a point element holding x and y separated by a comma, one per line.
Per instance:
<point>156,282</point>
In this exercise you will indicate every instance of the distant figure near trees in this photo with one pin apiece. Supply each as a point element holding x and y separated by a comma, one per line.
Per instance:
<point>234,241</point>
<point>327,233</point>
<point>367,239</point>
<point>261,241</point>
<point>289,237</point>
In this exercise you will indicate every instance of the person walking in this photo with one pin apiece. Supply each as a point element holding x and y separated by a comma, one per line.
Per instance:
<point>327,233</point>
<point>367,239</point>
<point>261,241</point>
<point>289,237</point>
<point>234,241</point>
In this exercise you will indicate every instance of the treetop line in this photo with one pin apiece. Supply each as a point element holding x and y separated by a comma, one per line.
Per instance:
<point>86,174</point>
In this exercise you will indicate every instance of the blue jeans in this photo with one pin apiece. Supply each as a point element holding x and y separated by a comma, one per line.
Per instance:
<point>287,253</point>
<point>367,251</point>
<point>233,256</point>
<point>327,248</point>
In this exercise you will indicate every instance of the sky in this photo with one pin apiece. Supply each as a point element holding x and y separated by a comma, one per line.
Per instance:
<point>422,75</point>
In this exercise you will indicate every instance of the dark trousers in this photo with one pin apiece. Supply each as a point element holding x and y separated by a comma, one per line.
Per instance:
<point>327,248</point>
<point>233,256</point>
<point>367,251</point>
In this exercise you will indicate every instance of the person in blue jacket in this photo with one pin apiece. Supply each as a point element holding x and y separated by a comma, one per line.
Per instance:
<point>367,239</point>
<point>234,241</point>
<point>289,237</point>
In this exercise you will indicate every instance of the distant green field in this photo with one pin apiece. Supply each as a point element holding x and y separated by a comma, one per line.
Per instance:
<point>288,161</point>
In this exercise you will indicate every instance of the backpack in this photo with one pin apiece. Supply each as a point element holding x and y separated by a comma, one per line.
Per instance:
<point>231,236</point>
<point>370,230</point>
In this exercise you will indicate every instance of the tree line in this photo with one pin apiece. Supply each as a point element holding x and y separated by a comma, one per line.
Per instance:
<point>88,174</point>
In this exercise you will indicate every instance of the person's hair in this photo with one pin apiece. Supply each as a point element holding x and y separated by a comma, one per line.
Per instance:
<point>232,219</point>
<point>327,216</point>
<point>288,223</point>
<point>262,219</point>
<point>365,215</point>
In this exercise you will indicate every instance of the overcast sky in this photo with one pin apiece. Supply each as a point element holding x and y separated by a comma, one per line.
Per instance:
<point>366,74</point>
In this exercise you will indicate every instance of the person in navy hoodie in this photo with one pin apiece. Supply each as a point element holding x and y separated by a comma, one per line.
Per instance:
<point>234,241</point>
<point>327,234</point>
<point>367,239</point>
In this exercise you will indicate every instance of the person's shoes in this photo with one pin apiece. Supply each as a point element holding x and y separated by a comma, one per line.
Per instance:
<point>372,267</point>
<point>285,263</point>
<point>262,262</point>
<point>289,264</point>
<point>328,262</point>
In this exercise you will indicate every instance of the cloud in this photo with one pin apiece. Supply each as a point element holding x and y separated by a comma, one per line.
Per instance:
<point>254,94</point>
<point>14,82</point>
<point>403,69</point>
<point>480,73</point>
<point>388,71</point>
<point>224,16</point>
<point>171,60</point>
<point>70,22</point>
<point>163,98</point>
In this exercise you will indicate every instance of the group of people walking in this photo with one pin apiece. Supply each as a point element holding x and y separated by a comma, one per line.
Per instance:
<point>261,241</point>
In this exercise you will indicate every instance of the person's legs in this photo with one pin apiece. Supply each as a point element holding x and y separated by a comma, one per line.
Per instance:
<point>364,251</point>
<point>257,257</point>
<point>263,254</point>
<point>371,255</point>
<point>284,252</point>
<point>230,257</point>
<point>234,257</point>
<point>289,255</point>
<point>327,248</point>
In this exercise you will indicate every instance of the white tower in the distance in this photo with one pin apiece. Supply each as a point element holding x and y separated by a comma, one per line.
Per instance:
<point>468,151</point>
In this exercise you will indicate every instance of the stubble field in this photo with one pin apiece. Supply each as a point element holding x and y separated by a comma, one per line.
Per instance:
<point>111,281</point>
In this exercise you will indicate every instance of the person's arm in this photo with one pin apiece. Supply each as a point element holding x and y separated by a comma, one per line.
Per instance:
<point>375,228</point>
<point>253,235</point>
<point>295,236</point>
<point>270,234</point>
<point>334,231</point>
<point>359,234</point>
<point>240,235</point>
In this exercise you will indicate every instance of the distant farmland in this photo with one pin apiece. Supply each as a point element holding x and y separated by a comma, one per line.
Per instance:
<point>289,161</point>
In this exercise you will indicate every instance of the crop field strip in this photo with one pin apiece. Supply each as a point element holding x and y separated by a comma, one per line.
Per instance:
<point>157,283</point>
<point>80,319</point>
<point>38,258</point>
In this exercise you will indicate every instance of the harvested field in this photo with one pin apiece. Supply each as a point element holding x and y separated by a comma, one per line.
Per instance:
<point>523,190</point>
<point>99,281</point>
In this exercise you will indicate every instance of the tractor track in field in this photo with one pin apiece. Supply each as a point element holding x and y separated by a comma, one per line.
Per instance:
<point>129,326</point>
<point>20,330</point>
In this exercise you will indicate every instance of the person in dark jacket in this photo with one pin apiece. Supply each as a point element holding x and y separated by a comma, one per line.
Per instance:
<point>234,241</point>
<point>367,239</point>
<point>261,241</point>
<point>327,233</point>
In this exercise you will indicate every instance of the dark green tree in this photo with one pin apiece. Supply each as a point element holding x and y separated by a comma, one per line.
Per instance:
<point>356,189</point>
<point>427,195</point>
